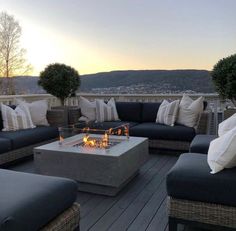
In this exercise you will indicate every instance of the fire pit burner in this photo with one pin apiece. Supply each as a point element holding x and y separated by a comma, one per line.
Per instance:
<point>97,138</point>
<point>96,142</point>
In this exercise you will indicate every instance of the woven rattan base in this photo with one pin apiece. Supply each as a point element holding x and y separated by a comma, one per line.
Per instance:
<point>19,153</point>
<point>213,214</point>
<point>66,221</point>
<point>169,144</point>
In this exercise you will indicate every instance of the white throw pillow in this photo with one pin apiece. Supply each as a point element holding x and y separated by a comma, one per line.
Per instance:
<point>16,119</point>
<point>106,112</point>
<point>222,152</point>
<point>227,125</point>
<point>88,109</point>
<point>190,111</point>
<point>167,112</point>
<point>38,111</point>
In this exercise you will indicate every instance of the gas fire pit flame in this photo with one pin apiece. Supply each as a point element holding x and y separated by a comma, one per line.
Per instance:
<point>96,143</point>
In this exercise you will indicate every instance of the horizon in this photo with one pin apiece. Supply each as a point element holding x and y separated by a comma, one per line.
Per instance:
<point>121,36</point>
<point>122,71</point>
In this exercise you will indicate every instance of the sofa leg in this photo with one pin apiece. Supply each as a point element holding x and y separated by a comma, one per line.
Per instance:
<point>172,224</point>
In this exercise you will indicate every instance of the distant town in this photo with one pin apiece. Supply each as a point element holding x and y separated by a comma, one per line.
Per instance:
<point>131,82</point>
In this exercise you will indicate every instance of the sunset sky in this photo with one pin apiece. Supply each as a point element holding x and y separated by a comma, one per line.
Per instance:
<point>104,35</point>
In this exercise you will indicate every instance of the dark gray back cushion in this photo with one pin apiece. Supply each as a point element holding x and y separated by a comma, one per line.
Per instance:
<point>129,111</point>
<point>149,111</point>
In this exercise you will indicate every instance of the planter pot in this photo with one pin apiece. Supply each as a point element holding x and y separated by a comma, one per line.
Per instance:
<point>71,114</point>
<point>57,117</point>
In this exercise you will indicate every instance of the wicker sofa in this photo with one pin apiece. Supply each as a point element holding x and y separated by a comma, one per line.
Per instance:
<point>198,198</point>
<point>141,118</point>
<point>15,145</point>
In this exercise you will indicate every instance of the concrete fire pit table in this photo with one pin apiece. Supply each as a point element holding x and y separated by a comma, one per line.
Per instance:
<point>96,170</point>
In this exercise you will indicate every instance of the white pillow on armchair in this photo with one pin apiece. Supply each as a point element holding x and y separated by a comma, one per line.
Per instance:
<point>222,152</point>
<point>227,125</point>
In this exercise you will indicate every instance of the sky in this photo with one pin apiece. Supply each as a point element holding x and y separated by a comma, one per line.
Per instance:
<point>104,35</point>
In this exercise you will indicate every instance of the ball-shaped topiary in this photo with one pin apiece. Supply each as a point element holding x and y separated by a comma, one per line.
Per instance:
<point>60,80</point>
<point>224,77</point>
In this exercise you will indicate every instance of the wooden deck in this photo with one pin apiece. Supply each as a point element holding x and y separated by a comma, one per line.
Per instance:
<point>140,206</point>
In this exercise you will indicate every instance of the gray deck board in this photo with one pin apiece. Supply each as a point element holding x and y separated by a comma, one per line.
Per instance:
<point>140,206</point>
<point>115,212</point>
<point>135,207</point>
<point>108,202</point>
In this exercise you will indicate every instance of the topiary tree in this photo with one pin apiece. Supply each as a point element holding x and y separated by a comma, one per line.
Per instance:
<point>60,80</point>
<point>224,77</point>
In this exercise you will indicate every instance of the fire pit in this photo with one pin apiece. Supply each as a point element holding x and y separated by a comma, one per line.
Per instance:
<point>101,161</point>
<point>96,138</point>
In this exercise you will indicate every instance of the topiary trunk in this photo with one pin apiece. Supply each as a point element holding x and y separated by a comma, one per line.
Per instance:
<point>62,100</point>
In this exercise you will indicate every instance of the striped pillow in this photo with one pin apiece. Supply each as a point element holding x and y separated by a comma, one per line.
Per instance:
<point>16,119</point>
<point>167,112</point>
<point>106,112</point>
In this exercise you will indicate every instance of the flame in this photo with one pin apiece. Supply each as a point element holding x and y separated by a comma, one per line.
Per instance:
<point>97,143</point>
<point>104,142</point>
<point>85,139</point>
<point>126,131</point>
<point>119,132</point>
<point>61,139</point>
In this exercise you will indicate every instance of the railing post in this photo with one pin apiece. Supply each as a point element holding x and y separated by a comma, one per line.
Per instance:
<point>216,106</point>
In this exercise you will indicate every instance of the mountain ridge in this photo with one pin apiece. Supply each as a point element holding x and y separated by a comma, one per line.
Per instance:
<point>132,81</point>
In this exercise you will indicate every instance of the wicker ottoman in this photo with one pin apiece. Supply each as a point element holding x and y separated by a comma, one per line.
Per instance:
<point>66,221</point>
<point>198,198</point>
<point>34,202</point>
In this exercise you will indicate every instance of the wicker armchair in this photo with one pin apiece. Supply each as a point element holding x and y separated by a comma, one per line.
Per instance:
<point>200,214</point>
<point>198,198</point>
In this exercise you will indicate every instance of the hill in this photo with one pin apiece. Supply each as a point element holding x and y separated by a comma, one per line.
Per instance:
<point>144,81</point>
<point>149,81</point>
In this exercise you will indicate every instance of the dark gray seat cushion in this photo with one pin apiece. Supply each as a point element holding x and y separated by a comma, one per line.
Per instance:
<point>190,179</point>
<point>129,111</point>
<point>27,137</point>
<point>163,132</point>
<point>30,201</point>
<point>149,111</point>
<point>201,143</point>
<point>5,145</point>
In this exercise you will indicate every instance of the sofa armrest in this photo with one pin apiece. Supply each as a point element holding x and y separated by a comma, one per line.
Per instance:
<point>204,122</point>
<point>57,117</point>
